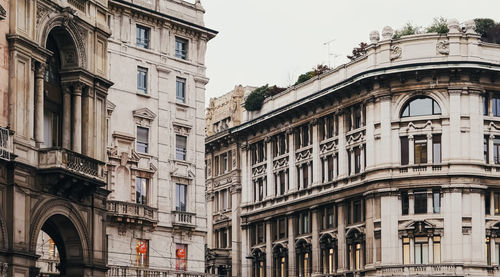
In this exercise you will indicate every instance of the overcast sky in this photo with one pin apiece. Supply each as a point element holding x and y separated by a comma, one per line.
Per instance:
<point>274,41</point>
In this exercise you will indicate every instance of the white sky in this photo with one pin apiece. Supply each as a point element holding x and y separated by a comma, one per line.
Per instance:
<point>274,41</point>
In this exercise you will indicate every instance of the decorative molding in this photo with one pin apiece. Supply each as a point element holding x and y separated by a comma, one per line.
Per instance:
<point>443,47</point>
<point>395,52</point>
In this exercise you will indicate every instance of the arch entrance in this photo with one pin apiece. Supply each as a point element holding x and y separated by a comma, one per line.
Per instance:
<point>60,248</point>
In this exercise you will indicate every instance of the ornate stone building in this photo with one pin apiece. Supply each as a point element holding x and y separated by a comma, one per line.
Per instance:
<point>385,166</point>
<point>52,136</point>
<point>223,183</point>
<point>157,212</point>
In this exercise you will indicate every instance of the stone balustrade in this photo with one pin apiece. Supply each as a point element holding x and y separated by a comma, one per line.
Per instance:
<point>127,212</point>
<point>184,219</point>
<point>126,271</point>
<point>48,266</point>
<point>71,161</point>
<point>423,270</point>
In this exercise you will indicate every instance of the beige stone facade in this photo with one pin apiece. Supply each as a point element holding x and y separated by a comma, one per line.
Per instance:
<point>158,220</point>
<point>52,137</point>
<point>386,166</point>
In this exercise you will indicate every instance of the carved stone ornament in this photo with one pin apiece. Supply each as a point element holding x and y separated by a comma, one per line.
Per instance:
<point>387,33</point>
<point>470,27</point>
<point>453,26</point>
<point>41,12</point>
<point>443,47</point>
<point>396,52</point>
<point>374,37</point>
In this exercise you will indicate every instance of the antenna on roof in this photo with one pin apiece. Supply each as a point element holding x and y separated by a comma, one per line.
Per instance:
<point>329,54</point>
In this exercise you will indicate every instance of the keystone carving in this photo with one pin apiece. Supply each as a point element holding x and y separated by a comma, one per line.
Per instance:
<point>396,52</point>
<point>443,47</point>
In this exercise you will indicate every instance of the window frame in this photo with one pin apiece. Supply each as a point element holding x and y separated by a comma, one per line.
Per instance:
<point>180,153</point>
<point>178,202</point>
<point>142,42</point>
<point>180,90</point>
<point>179,52</point>
<point>408,103</point>
<point>140,143</point>
<point>142,72</point>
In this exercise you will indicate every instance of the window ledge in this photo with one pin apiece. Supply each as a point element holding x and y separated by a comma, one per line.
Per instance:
<point>184,105</point>
<point>186,61</point>
<point>142,94</point>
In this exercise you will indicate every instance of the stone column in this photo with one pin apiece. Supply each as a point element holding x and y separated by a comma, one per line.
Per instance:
<point>492,251</point>
<point>490,150</point>
<point>342,155</point>
<point>286,181</point>
<point>316,270</point>
<point>291,246</point>
<point>88,123</point>
<point>412,250</point>
<point>39,102</point>
<point>325,168</point>
<point>292,169</point>
<point>246,264</point>
<point>431,250</point>
<point>316,162</point>
<point>429,149</point>
<point>411,203</point>
<point>301,177</point>
<point>77,117</point>
<point>341,242</point>
<point>370,130</point>
<point>411,150</point>
<point>246,194</point>
<point>430,202</point>
<point>310,173</point>
<point>66,120</point>
<point>362,158</point>
<point>269,250</point>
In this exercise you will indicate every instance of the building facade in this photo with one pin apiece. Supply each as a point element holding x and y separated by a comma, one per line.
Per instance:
<point>157,216</point>
<point>52,136</point>
<point>385,166</point>
<point>223,183</point>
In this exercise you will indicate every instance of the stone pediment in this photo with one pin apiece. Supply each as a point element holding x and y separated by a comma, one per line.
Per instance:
<point>144,113</point>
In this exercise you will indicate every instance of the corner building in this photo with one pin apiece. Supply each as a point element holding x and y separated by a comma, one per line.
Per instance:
<point>157,220</point>
<point>385,166</point>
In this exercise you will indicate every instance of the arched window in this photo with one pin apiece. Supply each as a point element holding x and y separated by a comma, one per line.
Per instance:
<point>259,263</point>
<point>329,256</point>
<point>355,250</point>
<point>303,254</point>
<point>421,105</point>
<point>280,267</point>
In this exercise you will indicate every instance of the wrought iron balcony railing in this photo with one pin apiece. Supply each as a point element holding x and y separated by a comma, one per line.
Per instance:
<point>127,212</point>
<point>183,219</point>
<point>73,162</point>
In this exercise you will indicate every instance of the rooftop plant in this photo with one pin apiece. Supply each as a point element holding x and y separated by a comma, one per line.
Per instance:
<point>358,51</point>
<point>318,70</point>
<point>488,29</point>
<point>440,26</point>
<point>407,30</point>
<point>256,98</point>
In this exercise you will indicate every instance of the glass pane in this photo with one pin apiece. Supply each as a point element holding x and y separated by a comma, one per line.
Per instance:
<point>406,254</point>
<point>437,252</point>
<point>420,202</point>
<point>497,252</point>
<point>418,254</point>
<point>425,253</point>
<point>421,106</point>
<point>437,109</point>
<point>436,201</point>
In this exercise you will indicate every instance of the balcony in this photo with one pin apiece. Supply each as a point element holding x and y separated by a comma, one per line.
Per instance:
<point>6,144</point>
<point>132,213</point>
<point>71,162</point>
<point>125,271</point>
<point>183,219</point>
<point>423,270</point>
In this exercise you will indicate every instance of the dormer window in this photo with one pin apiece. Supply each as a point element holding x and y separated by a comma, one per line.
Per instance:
<point>421,106</point>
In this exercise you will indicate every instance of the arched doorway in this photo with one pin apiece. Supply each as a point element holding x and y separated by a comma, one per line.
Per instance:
<point>60,248</point>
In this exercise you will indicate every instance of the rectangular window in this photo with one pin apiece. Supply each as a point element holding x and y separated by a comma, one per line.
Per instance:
<point>142,80</point>
<point>180,147</point>
<point>181,48</point>
<point>421,250</point>
<point>405,157</point>
<point>485,150</point>
<point>181,255</point>
<point>282,182</point>
<point>436,148</point>
<point>496,198</point>
<point>141,190</point>
<point>180,197</point>
<point>406,250</point>
<point>357,211</point>
<point>330,168</point>
<point>224,200</point>
<point>216,163</point>
<point>436,201</point>
<point>485,105</point>
<point>282,228</point>
<point>142,139</point>
<point>305,223</point>
<point>420,202</point>
<point>180,90</point>
<point>487,202</point>
<point>142,36</point>
<point>496,150</point>
<point>405,202</point>
<point>437,249</point>
<point>260,233</point>
<point>420,150</point>
<point>223,238</point>
<point>495,104</point>
<point>224,163</point>
<point>142,253</point>
<point>357,160</point>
